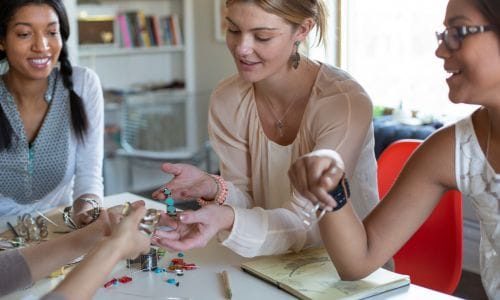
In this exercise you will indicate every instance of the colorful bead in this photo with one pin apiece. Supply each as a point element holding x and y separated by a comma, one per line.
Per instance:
<point>171,280</point>
<point>110,283</point>
<point>125,279</point>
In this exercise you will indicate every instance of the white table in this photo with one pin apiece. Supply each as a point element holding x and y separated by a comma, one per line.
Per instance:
<point>203,283</point>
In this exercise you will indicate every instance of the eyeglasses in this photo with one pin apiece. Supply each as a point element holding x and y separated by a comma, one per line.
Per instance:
<point>453,36</point>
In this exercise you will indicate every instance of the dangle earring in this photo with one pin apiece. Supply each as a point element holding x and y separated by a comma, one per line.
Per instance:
<point>296,56</point>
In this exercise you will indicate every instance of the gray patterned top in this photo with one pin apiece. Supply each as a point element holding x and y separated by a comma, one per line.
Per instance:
<point>30,172</point>
<point>56,165</point>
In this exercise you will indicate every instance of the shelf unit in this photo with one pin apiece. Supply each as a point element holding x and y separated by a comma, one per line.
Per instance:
<point>127,68</point>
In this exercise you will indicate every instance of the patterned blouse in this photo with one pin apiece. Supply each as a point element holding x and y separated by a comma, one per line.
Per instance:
<point>479,184</point>
<point>55,168</point>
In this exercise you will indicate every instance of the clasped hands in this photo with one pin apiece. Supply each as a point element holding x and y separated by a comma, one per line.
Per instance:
<point>313,175</point>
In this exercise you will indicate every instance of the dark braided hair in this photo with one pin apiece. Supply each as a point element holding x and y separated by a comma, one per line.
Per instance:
<point>78,116</point>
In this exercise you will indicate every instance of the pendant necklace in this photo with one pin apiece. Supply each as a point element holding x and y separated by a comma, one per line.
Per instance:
<point>488,139</point>
<point>279,122</point>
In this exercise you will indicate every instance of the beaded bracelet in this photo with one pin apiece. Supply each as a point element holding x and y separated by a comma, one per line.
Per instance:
<point>220,196</point>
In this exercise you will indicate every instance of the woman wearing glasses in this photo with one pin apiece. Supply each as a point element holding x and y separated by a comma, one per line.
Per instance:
<point>463,156</point>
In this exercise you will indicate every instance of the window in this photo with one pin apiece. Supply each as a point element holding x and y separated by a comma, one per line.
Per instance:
<point>388,46</point>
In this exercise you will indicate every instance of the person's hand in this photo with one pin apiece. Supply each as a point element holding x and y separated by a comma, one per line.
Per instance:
<point>118,212</point>
<point>314,175</point>
<point>126,236</point>
<point>188,182</point>
<point>108,220</point>
<point>194,229</point>
<point>82,212</point>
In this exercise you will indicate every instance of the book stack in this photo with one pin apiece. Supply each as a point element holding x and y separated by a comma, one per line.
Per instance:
<point>140,30</point>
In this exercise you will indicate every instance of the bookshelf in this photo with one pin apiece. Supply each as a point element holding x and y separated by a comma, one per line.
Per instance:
<point>164,120</point>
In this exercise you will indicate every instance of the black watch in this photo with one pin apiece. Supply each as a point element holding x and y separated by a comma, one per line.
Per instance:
<point>341,193</point>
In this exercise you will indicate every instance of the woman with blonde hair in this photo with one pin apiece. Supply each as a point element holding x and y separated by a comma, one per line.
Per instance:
<point>280,106</point>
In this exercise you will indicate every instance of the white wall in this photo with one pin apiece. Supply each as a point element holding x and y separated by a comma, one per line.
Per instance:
<point>213,61</point>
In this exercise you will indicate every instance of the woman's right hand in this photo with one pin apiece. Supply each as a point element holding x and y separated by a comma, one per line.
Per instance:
<point>126,235</point>
<point>314,174</point>
<point>193,229</point>
<point>188,183</point>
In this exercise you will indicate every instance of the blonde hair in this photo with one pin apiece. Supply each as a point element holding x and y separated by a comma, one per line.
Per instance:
<point>295,12</point>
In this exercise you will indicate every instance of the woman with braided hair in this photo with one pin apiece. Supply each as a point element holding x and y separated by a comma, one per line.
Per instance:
<point>51,115</point>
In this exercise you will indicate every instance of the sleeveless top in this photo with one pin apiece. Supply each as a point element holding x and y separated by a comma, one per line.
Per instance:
<point>479,184</point>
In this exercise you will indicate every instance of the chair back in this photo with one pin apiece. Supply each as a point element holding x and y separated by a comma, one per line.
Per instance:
<point>433,255</point>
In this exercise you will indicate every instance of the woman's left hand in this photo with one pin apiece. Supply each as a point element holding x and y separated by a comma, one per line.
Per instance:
<point>188,183</point>
<point>82,212</point>
<point>194,229</point>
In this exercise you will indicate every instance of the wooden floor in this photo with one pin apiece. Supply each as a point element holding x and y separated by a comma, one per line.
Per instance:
<point>470,287</point>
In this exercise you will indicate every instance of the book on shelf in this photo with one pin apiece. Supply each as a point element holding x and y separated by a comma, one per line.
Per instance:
<point>176,30</point>
<point>139,30</point>
<point>144,37</point>
<point>310,274</point>
<point>157,33</point>
<point>126,40</point>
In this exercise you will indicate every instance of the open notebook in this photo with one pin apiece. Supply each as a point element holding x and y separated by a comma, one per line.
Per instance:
<point>310,274</point>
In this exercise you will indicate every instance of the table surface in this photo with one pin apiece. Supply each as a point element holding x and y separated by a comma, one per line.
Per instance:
<point>202,283</point>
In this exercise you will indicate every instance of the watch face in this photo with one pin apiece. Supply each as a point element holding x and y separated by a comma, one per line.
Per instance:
<point>341,193</point>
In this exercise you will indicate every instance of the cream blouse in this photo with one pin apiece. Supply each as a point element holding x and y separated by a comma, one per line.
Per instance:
<point>337,117</point>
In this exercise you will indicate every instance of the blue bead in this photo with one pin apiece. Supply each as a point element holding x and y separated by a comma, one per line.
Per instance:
<point>171,280</point>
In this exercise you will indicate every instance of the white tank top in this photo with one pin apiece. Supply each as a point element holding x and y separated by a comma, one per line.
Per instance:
<point>479,184</point>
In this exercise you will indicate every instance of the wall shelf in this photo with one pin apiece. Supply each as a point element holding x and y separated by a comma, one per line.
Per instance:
<point>92,51</point>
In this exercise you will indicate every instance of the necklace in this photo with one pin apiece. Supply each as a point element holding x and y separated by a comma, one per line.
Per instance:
<point>279,122</point>
<point>488,138</point>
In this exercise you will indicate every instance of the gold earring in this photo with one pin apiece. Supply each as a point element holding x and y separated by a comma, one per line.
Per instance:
<point>296,56</point>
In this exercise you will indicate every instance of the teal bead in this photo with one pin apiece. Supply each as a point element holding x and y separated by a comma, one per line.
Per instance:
<point>169,201</point>
<point>171,209</point>
<point>167,192</point>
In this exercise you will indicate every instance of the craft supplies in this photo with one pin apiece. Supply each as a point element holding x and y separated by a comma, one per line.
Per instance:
<point>58,272</point>
<point>29,229</point>
<point>110,283</point>
<point>125,279</point>
<point>225,282</point>
<point>169,201</point>
<point>13,230</point>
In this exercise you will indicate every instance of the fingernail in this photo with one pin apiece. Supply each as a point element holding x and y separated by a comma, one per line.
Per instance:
<point>182,217</point>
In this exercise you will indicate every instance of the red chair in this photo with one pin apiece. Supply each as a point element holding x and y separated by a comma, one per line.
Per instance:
<point>433,255</point>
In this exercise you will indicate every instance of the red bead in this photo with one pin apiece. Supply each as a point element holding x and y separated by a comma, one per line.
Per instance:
<point>125,279</point>
<point>110,283</point>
